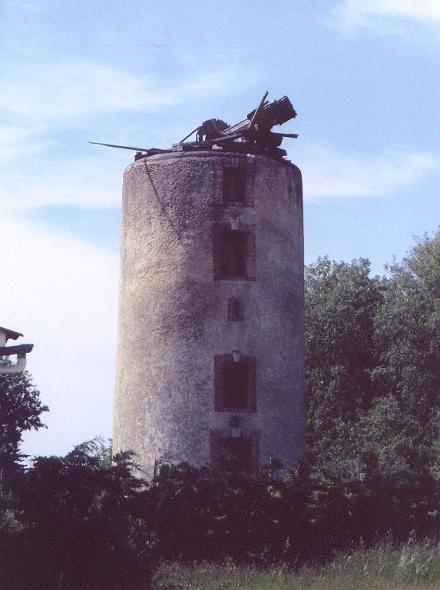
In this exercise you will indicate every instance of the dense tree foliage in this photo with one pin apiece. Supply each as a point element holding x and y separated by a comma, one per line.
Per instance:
<point>20,410</point>
<point>77,522</point>
<point>341,304</point>
<point>373,354</point>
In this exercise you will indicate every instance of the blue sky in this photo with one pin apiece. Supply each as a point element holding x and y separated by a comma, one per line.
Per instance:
<point>364,79</point>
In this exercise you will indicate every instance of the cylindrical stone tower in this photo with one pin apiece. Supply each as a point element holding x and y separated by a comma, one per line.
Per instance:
<point>211,334</point>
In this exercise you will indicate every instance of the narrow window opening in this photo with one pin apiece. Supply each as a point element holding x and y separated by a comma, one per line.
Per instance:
<point>234,185</point>
<point>235,310</point>
<point>236,385</point>
<point>234,253</point>
<point>234,256</point>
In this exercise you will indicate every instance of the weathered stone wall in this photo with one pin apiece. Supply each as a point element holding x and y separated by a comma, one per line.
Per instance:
<point>173,316</point>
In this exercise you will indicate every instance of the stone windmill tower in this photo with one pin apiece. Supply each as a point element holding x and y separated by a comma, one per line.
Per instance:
<point>211,336</point>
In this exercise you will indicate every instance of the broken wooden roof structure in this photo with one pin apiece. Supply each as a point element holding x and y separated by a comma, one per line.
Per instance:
<point>252,135</point>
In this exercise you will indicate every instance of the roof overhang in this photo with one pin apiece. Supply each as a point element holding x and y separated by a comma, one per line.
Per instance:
<point>10,334</point>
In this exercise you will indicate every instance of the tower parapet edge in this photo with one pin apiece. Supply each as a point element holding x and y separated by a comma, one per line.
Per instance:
<point>211,310</point>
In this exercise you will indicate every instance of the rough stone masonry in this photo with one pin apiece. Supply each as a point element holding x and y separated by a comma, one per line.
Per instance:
<point>211,317</point>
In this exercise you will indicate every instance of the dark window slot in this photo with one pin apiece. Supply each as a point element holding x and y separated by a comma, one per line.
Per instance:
<point>236,385</point>
<point>235,310</point>
<point>234,185</point>
<point>233,253</point>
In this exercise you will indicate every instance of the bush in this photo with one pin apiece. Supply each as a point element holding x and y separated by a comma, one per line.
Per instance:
<point>77,523</point>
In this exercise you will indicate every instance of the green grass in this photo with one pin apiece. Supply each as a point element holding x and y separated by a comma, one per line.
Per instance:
<point>412,566</point>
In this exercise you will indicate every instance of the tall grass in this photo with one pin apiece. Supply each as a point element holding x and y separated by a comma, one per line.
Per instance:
<point>414,565</point>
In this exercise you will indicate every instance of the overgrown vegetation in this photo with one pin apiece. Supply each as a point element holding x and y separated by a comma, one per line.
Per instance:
<point>371,470</point>
<point>413,566</point>
<point>76,522</point>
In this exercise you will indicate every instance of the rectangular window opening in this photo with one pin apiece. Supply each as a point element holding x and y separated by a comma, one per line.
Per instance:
<point>233,252</point>
<point>236,385</point>
<point>234,185</point>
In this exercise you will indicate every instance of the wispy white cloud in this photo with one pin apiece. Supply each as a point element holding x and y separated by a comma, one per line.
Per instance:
<point>16,141</point>
<point>68,90</point>
<point>75,89</point>
<point>87,181</point>
<point>61,292</point>
<point>44,102</point>
<point>373,13</point>
<point>330,173</point>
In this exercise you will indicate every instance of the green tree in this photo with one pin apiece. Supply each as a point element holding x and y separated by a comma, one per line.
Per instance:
<point>407,334</point>
<point>407,338</point>
<point>341,301</point>
<point>20,410</point>
<point>373,364</point>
